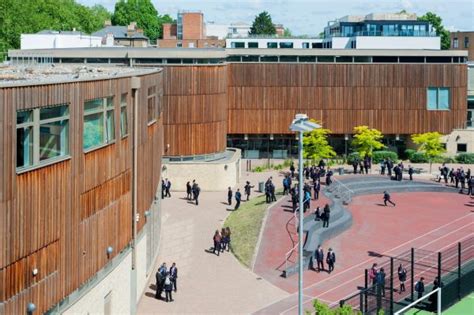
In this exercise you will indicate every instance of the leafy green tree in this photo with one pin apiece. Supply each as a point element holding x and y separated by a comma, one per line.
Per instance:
<point>429,144</point>
<point>287,32</point>
<point>316,145</point>
<point>141,11</point>
<point>263,25</point>
<point>436,21</point>
<point>366,140</point>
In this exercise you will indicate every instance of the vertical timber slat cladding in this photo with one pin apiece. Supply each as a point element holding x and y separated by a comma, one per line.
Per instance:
<point>60,218</point>
<point>195,101</point>
<point>263,98</point>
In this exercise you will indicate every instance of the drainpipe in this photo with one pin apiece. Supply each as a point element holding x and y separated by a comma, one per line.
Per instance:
<point>135,83</point>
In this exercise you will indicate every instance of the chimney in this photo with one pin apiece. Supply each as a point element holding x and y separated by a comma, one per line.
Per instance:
<point>107,23</point>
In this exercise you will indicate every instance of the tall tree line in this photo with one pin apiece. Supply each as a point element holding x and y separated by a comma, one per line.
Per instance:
<point>31,16</point>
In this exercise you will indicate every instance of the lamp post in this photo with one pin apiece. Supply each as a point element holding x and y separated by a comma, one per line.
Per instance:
<point>301,124</point>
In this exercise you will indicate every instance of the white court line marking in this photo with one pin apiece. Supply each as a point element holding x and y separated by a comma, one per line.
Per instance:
<point>430,232</point>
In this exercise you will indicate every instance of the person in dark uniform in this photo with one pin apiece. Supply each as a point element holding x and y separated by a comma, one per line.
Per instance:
<point>159,285</point>
<point>386,198</point>
<point>168,188</point>
<point>355,163</point>
<point>330,260</point>
<point>462,179</point>
<point>326,216</point>
<point>229,196</point>
<point>319,256</point>
<point>381,281</point>
<point>248,189</point>
<point>168,285</point>
<point>402,277</point>
<point>389,167</point>
<point>174,276</point>
<point>382,167</point>
<point>193,189</point>
<point>470,186</point>
<point>292,169</point>
<point>238,197</point>
<point>163,189</point>
<point>197,191</point>
<point>294,199</point>
<point>420,287</point>
<point>316,188</point>
<point>410,171</point>
<point>328,177</point>
<point>188,191</point>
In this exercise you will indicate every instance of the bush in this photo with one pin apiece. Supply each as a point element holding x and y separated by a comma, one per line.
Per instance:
<point>287,162</point>
<point>258,169</point>
<point>378,156</point>
<point>465,158</point>
<point>278,167</point>
<point>418,157</point>
<point>352,156</point>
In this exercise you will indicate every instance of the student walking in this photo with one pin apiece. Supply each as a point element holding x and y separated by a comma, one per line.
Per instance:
<point>402,277</point>
<point>410,171</point>
<point>316,188</point>
<point>373,274</point>
<point>188,190</point>
<point>330,260</point>
<point>227,238</point>
<point>197,191</point>
<point>217,242</point>
<point>223,238</point>
<point>326,215</point>
<point>168,188</point>
<point>386,198</point>
<point>238,197</point>
<point>381,281</point>
<point>229,196</point>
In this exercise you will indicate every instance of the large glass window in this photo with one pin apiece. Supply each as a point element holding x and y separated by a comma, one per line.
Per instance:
<point>286,45</point>
<point>99,122</point>
<point>272,45</point>
<point>466,42</point>
<point>123,116</point>
<point>438,98</point>
<point>42,135</point>
<point>455,42</point>
<point>237,45</point>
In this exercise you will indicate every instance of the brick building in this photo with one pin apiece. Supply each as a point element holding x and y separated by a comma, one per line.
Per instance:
<point>189,31</point>
<point>463,41</point>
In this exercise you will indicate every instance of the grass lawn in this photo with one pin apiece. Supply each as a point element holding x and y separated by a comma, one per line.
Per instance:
<point>245,225</point>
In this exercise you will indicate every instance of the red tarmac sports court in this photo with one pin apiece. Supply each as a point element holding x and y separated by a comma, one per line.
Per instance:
<point>423,220</point>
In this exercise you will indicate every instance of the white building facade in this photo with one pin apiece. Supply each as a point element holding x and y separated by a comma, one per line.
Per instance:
<point>274,42</point>
<point>54,39</point>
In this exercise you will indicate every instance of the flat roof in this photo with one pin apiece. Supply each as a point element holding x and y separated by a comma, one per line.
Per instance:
<point>203,53</point>
<point>27,75</point>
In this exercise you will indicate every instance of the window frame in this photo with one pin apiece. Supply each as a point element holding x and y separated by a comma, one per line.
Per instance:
<point>35,124</point>
<point>438,99</point>
<point>153,95</point>
<point>124,108</point>
<point>457,147</point>
<point>104,110</point>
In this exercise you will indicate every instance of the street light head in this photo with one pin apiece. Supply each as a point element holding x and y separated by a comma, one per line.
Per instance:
<point>301,116</point>
<point>302,124</point>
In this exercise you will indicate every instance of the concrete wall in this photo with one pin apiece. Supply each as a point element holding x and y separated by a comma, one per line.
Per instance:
<point>395,42</point>
<point>48,41</point>
<point>464,136</point>
<point>211,176</point>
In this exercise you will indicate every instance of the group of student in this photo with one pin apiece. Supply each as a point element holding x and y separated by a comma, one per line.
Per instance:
<point>165,188</point>
<point>221,241</point>
<point>192,191</point>
<point>319,258</point>
<point>323,216</point>
<point>238,195</point>
<point>364,164</point>
<point>458,177</point>
<point>270,191</point>
<point>166,280</point>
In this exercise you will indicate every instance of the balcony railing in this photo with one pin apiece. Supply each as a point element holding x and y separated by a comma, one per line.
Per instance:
<point>386,33</point>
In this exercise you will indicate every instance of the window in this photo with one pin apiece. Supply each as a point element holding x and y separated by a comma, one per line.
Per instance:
<point>272,45</point>
<point>438,98</point>
<point>42,135</point>
<point>237,45</point>
<point>455,42</point>
<point>253,45</point>
<point>152,105</point>
<point>286,45</point>
<point>466,42</point>
<point>179,44</point>
<point>461,147</point>
<point>123,116</point>
<point>305,45</point>
<point>99,122</point>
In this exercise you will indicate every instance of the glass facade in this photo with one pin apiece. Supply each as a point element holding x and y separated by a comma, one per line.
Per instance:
<point>42,135</point>
<point>123,116</point>
<point>99,122</point>
<point>379,28</point>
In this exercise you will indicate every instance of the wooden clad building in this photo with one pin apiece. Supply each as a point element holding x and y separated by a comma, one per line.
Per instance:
<point>66,180</point>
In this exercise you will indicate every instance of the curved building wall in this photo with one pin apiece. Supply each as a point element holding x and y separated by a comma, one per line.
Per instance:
<point>61,217</point>
<point>264,97</point>
<point>195,109</point>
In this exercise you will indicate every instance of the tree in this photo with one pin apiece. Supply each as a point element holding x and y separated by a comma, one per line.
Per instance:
<point>287,32</point>
<point>367,140</point>
<point>144,13</point>
<point>263,25</point>
<point>316,145</point>
<point>429,144</point>
<point>436,21</point>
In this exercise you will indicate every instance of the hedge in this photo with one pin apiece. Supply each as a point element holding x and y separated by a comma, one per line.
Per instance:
<point>377,156</point>
<point>465,158</point>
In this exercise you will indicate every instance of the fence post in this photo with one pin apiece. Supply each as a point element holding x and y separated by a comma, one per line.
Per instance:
<point>459,270</point>
<point>391,285</point>
<point>365,291</point>
<point>439,268</point>
<point>412,273</point>
<point>361,302</point>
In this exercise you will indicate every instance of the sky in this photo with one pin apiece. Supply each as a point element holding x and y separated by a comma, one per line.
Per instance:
<point>310,17</point>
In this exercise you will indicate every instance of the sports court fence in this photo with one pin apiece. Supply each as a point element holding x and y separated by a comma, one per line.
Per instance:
<point>453,265</point>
